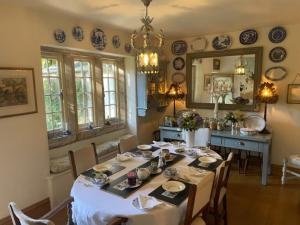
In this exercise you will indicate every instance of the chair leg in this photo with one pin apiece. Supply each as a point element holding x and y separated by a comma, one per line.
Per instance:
<point>225,210</point>
<point>246,162</point>
<point>283,177</point>
<point>216,214</point>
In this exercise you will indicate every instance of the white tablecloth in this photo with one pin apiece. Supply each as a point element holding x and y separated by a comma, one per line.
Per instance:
<point>93,206</point>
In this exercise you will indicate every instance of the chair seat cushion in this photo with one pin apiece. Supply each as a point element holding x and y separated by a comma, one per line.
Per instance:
<point>295,159</point>
<point>60,164</point>
<point>198,221</point>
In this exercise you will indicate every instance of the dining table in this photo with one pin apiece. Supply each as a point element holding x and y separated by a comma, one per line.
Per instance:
<point>93,205</point>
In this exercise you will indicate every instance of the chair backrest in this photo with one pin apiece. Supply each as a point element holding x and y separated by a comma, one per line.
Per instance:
<point>19,218</point>
<point>83,159</point>
<point>202,137</point>
<point>128,144</point>
<point>199,198</point>
<point>221,181</point>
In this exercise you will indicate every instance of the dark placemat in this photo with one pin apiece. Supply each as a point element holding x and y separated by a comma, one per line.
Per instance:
<point>173,198</point>
<point>211,167</point>
<point>115,168</point>
<point>117,186</point>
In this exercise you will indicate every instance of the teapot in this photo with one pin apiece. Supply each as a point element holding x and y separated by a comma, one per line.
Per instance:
<point>142,173</point>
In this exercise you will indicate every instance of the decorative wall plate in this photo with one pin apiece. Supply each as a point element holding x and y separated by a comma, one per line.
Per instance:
<point>116,41</point>
<point>277,34</point>
<point>98,39</point>
<point>275,73</point>
<point>248,37</point>
<point>221,42</point>
<point>179,47</point>
<point>178,63</point>
<point>128,47</point>
<point>199,44</point>
<point>178,78</point>
<point>255,122</point>
<point>77,33</point>
<point>277,54</point>
<point>59,35</point>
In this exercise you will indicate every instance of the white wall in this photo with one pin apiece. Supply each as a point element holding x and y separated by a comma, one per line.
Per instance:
<point>24,159</point>
<point>282,117</point>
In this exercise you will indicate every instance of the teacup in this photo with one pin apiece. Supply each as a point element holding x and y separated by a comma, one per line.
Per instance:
<point>170,172</point>
<point>100,178</point>
<point>143,173</point>
<point>131,176</point>
<point>153,166</point>
<point>147,154</point>
<point>165,153</point>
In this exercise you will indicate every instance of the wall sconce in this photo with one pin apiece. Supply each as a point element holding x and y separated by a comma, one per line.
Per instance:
<point>267,94</point>
<point>175,93</point>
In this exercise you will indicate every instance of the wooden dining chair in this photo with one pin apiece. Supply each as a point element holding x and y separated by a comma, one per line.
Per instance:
<point>83,159</point>
<point>127,144</point>
<point>19,218</point>
<point>198,202</point>
<point>218,202</point>
<point>202,137</point>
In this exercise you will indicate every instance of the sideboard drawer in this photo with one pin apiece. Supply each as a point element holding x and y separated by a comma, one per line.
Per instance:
<point>217,141</point>
<point>175,135</point>
<point>240,144</point>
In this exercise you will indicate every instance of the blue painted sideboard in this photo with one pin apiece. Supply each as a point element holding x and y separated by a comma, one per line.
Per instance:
<point>257,143</point>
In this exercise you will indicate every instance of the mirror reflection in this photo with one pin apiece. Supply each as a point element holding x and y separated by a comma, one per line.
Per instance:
<point>224,79</point>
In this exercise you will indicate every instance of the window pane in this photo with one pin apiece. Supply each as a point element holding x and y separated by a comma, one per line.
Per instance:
<point>112,98</point>
<point>47,104</point>
<point>112,86</point>
<point>90,118</point>
<point>80,100</point>
<point>105,84</point>
<point>106,98</point>
<point>56,104</point>
<point>107,111</point>
<point>81,116</point>
<point>49,122</point>
<point>89,99</point>
<point>86,68</point>
<point>77,67</point>
<point>57,121</point>
<point>112,111</point>
<point>79,85</point>
<point>44,67</point>
<point>53,67</point>
<point>55,87</point>
<point>88,85</point>
<point>111,72</point>
<point>46,86</point>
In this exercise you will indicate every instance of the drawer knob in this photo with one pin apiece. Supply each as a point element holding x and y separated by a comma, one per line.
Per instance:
<point>178,135</point>
<point>241,143</point>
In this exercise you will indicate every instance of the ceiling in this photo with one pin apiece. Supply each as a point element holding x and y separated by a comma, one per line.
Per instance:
<point>180,18</point>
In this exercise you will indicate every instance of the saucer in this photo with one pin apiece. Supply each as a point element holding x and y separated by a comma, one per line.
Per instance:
<point>138,183</point>
<point>159,170</point>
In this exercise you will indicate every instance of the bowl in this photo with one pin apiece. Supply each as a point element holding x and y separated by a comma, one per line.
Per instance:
<point>144,147</point>
<point>173,186</point>
<point>248,131</point>
<point>206,160</point>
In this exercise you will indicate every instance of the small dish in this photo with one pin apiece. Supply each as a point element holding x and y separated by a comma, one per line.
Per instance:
<point>180,150</point>
<point>138,183</point>
<point>158,171</point>
<point>144,147</point>
<point>207,159</point>
<point>173,186</point>
<point>102,167</point>
<point>124,157</point>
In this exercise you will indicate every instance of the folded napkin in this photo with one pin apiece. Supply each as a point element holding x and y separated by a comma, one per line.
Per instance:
<point>124,157</point>
<point>146,202</point>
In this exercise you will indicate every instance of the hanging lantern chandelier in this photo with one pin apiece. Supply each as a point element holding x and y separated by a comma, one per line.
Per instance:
<point>240,68</point>
<point>147,45</point>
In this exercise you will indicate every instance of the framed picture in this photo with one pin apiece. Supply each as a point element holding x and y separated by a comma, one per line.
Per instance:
<point>216,64</point>
<point>293,95</point>
<point>207,82</point>
<point>17,92</point>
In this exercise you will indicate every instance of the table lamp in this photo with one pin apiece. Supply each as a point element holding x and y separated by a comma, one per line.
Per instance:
<point>267,94</point>
<point>175,93</point>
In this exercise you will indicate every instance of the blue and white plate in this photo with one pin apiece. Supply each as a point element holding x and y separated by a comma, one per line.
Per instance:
<point>277,34</point>
<point>59,35</point>
<point>116,41</point>
<point>277,54</point>
<point>98,39</point>
<point>128,47</point>
<point>178,63</point>
<point>77,33</point>
<point>179,47</point>
<point>248,37</point>
<point>221,42</point>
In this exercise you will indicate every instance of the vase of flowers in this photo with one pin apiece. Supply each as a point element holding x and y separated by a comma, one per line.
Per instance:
<point>189,122</point>
<point>235,118</point>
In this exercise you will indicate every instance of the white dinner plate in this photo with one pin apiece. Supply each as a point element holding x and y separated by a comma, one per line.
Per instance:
<point>207,159</point>
<point>124,157</point>
<point>144,147</point>
<point>255,122</point>
<point>102,167</point>
<point>173,186</point>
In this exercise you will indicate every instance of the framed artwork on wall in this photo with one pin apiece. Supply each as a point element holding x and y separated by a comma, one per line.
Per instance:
<point>293,95</point>
<point>17,92</point>
<point>207,82</point>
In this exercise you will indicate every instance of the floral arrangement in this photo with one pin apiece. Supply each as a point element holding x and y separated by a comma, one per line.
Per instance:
<point>234,117</point>
<point>189,121</point>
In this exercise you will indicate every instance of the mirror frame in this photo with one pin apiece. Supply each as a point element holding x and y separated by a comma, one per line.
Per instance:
<point>257,51</point>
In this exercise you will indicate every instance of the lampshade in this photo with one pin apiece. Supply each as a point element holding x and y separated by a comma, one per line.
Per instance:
<point>175,92</point>
<point>267,93</point>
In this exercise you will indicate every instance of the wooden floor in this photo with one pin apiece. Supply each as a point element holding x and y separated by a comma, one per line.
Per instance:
<point>249,203</point>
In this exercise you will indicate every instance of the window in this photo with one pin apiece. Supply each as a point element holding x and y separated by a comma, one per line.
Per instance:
<point>52,93</point>
<point>84,93</point>
<point>109,86</point>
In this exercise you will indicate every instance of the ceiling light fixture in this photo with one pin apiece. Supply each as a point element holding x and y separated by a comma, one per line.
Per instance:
<point>240,68</point>
<point>147,45</point>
